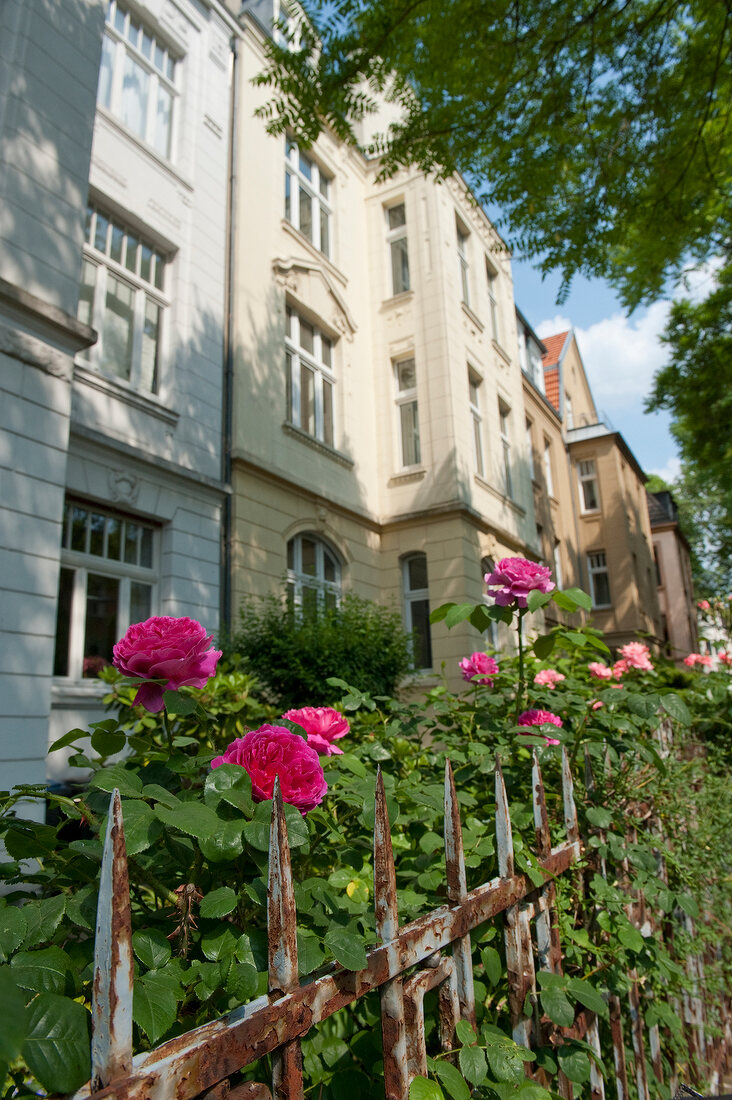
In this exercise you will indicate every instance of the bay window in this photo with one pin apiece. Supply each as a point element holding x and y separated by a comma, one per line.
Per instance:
<point>310,377</point>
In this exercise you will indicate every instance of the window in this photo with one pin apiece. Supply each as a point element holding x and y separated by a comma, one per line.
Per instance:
<point>107,581</point>
<point>286,28</point>
<point>557,561</point>
<point>121,296</point>
<point>487,565</point>
<point>474,382</point>
<point>504,415</point>
<point>492,279</point>
<point>462,249</point>
<point>313,575</point>
<point>397,239</point>
<point>310,377</point>
<point>568,414</point>
<point>548,468</point>
<point>417,609</point>
<point>599,579</point>
<point>589,500</point>
<point>530,450</point>
<point>137,78</point>
<point>406,385</point>
<point>307,197</point>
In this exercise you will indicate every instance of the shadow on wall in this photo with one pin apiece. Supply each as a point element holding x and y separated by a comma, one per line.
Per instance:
<point>49,55</point>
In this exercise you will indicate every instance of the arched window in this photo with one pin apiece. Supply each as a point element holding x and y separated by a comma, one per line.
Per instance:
<point>417,608</point>
<point>313,575</point>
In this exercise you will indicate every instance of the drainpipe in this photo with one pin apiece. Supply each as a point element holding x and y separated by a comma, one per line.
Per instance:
<point>228,365</point>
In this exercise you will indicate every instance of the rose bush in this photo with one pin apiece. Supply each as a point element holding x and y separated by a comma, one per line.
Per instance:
<point>549,677</point>
<point>171,653</point>
<point>273,751</point>
<point>323,726</point>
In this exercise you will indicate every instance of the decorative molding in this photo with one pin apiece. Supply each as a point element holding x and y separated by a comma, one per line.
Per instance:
<point>123,486</point>
<point>291,274</point>
<point>36,353</point>
<point>213,126</point>
<point>406,478</point>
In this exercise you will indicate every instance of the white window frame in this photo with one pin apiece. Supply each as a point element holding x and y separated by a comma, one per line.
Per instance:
<point>587,476</point>
<point>411,597</point>
<point>463,245</point>
<point>597,566</point>
<point>126,37</point>
<point>407,412</point>
<point>98,262</point>
<point>504,415</point>
<point>84,563</point>
<point>548,471</point>
<point>316,187</point>
<point>299,359</point>
<point>287,26</point>
<point>327,592</point>
<point>557,562</point>
<point>474,384</point>
<point>530,448</point>
<point>394,237</point>
<point>568,414</point>
<point>493,309</point>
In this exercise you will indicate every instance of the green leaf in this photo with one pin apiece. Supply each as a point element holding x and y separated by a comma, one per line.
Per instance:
<point>599,816</point>
<point>423,1089</point>
<point>492,963</point>
<point>630,937</point>
<point>458,613</point>
<point>151,947</point>
<point>587,995</point>
<point>229,783</point>
<point>643,706</point>
<point>436,616</point>
<point>473,1065</point>
<point>14,1017</point>
<point>309,952</point>
<point>574,637</point>
<point>106,743</point>
<point>178,704</point>
<point>579,597</point>
<point>57,1043</point>
<point>160,794</point>
<point>537,599</point>
<point>257,830</point>
<point>543,645</point>
<point>193,818</point>
<point>347,947</point>
<point>453,1081</point>
<point>557,1007</point>
<point>352,764</point>
<point>597,643</point>
<point>564,600</point>
<point>505,1061</point>
<point>116,775</point>
<point>688,904</point>
<point>218,903</point>
<point>142,827</point>
<point>226,844</point>
<point>242,982</point>
<point>12,931</point>
<point>154,1006</point>
<point>47,971</point>
<point>480,617</point>
<point>68,739</point>
<point>42,919</point>
<point>219,943</point>
<point>676,708</point>
<point>465,1033</point>
<point>574,1063</point>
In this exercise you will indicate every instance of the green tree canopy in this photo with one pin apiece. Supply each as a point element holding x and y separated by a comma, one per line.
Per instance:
<point>599,128</point>
<point>696,388</point>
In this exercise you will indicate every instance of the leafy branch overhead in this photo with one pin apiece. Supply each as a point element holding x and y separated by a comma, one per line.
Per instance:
<point>599,130</point>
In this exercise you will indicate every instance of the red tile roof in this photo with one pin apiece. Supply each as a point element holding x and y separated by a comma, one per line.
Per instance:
<point>553,345</point>
<point>551,385</point>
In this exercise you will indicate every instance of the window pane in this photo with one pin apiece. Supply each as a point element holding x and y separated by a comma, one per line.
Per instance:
<point>115,248</point>
<point>150,336</point>
<point>308,550</point>
<point>306,214</point>
<point>119,20</point>
<point>288,383</point>
<point>78,529</point>
<point>478,446</point>
<point>590,495</point>
<point>331,601</point>
<point>146,548</point>
<point>306,166</point>
<point>100,232</point>
<point>307,400</point>
<point>96,535</point>
<point>161,137</point>
<point>146,254</point>
<point>307,336</point>
<point>601,587</point>
<point>410,434</point>
<point>400,265</point>
<point>159,57</point>
<point>324,232</point>
<point>330,569</point>
<point>288,200</point>
<point>406,375</point>
<point>135,90</point>
<point>140,602</point>
<point>327,413</point>
<point>326,352</point>
<point>132,543</point>
<point>291,554</point>
<point>102,595</point>
<point>85,311</point>
<point>309,602</point>
<point>146,47</point>
<point>118,328</point>
<point>114,538</point>
<point>132,249</point>
<point>63,622</point>
<point>421,629</point>
<point>104,89</point>
<point>397,216</point>
<point>417,572</point>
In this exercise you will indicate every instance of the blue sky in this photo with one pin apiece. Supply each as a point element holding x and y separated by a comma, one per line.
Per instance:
<point>621,353</point>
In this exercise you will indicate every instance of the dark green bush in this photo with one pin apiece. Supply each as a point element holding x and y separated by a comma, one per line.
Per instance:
<point>359,641</point>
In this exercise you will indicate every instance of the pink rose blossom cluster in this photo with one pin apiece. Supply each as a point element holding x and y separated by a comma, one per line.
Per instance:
<point>725,657</point>
<point>702,659</point>
<point>170,652</point>
<point>478,668</point>
<point>600,671</point>
<point>636,655</point>
<point>540,718</point>
<point>272,751</point>
<point>323,726</point>
<point>514,578</point>
<point>704,605</point>
<point>549,677</point>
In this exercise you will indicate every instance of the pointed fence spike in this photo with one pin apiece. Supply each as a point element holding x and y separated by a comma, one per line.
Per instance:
<point>111,1045</point>
<point>393,1023</point>
<point>541,818</point>
<point>570,810</point>
<point>457,889</point>
<point>504,835</point>
<point>287,1083</point>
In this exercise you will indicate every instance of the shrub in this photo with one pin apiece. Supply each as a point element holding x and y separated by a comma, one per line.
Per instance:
<point>359,641</point>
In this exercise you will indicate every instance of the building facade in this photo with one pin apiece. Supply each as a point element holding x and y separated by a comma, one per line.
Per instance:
<point>673,578</point>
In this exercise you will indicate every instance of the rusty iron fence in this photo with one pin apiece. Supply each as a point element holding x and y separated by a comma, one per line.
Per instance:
<point>432,952</point>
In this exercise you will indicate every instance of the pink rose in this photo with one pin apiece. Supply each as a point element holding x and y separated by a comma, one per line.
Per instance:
<point>515,578</point>
<point>600,671</point>
<point>478,664</point>
<point>323,725</point>
<point>597,704</point>
<point>704,605</point>
<point>620,668</point>
<point>725,658</point>
<point>540,718</point>
<point>549,677</point>
<point>275,751</point>
<point>175,652</point>
<point>636,655</point>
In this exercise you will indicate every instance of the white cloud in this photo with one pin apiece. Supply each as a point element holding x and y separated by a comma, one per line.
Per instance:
<point>669,472</point>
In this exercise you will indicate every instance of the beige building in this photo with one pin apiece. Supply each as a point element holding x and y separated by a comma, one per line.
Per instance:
<point>673,578</point>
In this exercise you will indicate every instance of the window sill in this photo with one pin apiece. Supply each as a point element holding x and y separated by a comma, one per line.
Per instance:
<point>398,299</point>
<point>503,354</point>
<point>67,690</point>
<point>321,257</point>
<point>591,514</point>
<point>416,473</point>
<point>500,496</point>
<point>317,445</point>
<point>472,317</point>
<point>116,388</point>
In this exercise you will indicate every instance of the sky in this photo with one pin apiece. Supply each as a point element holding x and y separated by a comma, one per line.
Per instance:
<point>621,353</point>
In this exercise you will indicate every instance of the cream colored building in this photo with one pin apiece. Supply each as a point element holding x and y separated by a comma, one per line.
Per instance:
<point>673,578</point>
<point>379,440</point>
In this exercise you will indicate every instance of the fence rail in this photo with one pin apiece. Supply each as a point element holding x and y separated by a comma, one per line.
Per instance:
<point>408,961</point>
